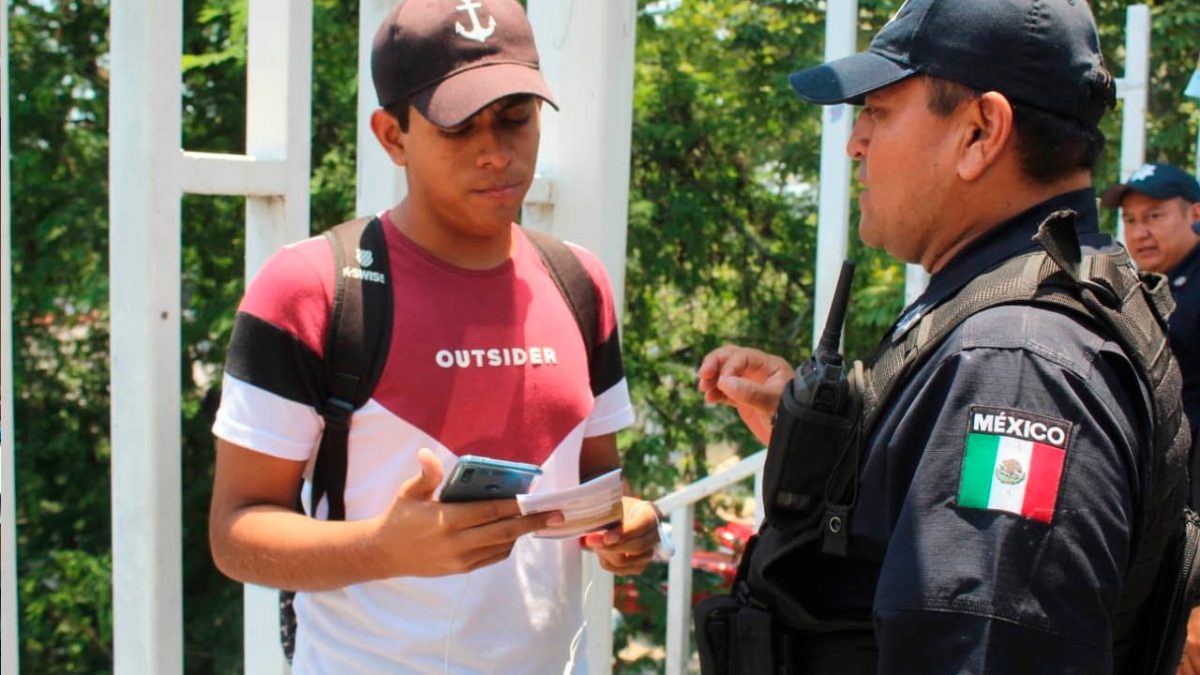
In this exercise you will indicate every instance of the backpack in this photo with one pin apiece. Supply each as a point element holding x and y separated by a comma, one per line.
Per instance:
<point>356,349</point>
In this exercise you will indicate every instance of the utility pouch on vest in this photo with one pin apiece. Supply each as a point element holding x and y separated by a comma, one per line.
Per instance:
<point>735,635</point>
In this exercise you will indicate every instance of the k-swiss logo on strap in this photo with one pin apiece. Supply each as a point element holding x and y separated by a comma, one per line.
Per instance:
<point>1013,462</point>
<point>478,31</point>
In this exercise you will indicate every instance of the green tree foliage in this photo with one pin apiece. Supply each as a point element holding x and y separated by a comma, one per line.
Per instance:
<point>721,248</point>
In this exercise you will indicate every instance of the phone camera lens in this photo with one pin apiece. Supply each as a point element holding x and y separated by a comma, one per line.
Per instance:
<point>466,475</point>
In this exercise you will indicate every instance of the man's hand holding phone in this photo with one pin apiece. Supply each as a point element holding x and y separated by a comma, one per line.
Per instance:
<point>423,537</point>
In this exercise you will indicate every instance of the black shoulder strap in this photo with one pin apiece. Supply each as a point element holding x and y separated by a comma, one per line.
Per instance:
<point>356,347</point>
<point>574,283</point>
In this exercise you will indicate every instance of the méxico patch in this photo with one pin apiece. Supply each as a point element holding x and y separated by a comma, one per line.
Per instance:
<point>1013,462</point>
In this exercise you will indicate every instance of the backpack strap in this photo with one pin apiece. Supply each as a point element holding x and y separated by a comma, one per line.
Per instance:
<point>356,347</point>
<point>573,282</point>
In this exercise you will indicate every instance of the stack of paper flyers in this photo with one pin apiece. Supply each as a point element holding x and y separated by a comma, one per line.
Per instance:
<point>594,505</point>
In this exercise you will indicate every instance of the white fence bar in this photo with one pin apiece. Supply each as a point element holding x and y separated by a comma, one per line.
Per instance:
<point>586,50</point>
<point>278,119</point>
<point>144,272</point>
<point>380,183</point>
<point>10,656</point>
<point>679,591</point>
<point>206,173</point>
<point>680,506</point>
<point>833,212</point>
<point>1193,90</point>
<point>1133,89</point>
<point>582,195</point>
<point>709,485</point>
<point>915,281</point>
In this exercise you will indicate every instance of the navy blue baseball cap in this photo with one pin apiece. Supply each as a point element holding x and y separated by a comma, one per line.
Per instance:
<point>1042,53</point>
<point>1157,181</point>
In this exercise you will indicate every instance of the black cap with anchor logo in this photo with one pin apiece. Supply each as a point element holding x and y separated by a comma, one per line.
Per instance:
<point>451,58</point>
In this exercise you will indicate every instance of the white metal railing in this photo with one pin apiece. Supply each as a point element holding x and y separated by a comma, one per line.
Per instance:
<point>680,507</point>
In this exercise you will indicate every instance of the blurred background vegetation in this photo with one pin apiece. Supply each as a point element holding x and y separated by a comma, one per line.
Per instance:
<point>721,248</point>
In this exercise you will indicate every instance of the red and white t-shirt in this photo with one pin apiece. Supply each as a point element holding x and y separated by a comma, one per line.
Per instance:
<point>486,363</point>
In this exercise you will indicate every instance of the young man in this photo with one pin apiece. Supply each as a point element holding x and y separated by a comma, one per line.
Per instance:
<point>978,126</point>
<point>1160,206</point>
<point>406,583</point>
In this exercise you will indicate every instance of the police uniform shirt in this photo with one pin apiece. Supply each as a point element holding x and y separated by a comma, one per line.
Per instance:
<point>1028,579</point>
<point>1184,331</point>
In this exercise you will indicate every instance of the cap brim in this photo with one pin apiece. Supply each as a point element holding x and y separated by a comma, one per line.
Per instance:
<point>1111,198</point>
<point>849,79</point>
<point>450,102</point>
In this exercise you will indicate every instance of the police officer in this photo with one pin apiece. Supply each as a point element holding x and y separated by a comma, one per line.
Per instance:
<point>998,492</point>
<point>1160,207</point>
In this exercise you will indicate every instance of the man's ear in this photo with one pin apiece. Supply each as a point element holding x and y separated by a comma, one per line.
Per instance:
<point>387,132</point>
<point>987,124</point>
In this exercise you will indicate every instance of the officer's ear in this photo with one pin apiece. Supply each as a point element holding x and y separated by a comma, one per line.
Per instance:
<point>987,128</point>
<point>386,128</point>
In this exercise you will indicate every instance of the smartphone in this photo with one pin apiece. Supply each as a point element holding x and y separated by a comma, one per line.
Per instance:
<point>475,478</point>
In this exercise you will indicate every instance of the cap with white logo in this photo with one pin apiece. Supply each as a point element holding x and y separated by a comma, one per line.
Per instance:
<point>452,58</point>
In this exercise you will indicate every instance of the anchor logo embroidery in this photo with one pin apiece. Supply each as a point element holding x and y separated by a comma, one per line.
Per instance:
<point>477,32</point>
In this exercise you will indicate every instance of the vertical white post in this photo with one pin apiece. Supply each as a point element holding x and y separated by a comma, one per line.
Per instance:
<point>380,183</point>
<point>1134,90</point>
<point>1193,90</point>
<point>144,269</point>
<point>9,659</point>
<point>833,211</point>
<point>679,585</point>
<point>586,53</point>
<point>278,117</point>
<point>583,192</point>
<point>915,281</point>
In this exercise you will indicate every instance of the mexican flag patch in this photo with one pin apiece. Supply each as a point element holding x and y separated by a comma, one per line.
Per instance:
<point>1013,462</point>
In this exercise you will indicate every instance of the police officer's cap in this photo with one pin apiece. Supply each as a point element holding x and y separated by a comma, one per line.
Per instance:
<point>1157,181</point>
<point>1041,53</point>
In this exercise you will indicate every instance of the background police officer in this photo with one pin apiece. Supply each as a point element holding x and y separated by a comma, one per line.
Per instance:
<point>979,120</point>
<point>1160,207</point>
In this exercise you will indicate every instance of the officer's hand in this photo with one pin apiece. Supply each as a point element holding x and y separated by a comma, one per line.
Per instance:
<point>426,538</point>
<point>748,379</point>
<point>628,548</point>
<point>1189,663</point>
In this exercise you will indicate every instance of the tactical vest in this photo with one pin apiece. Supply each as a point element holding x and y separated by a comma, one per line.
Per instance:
<point>810,479</point>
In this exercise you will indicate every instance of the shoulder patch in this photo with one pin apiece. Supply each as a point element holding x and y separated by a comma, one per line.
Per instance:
<point>1013,462</point>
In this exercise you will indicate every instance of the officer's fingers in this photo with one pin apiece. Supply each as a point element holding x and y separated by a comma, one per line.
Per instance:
<point>712,362</point>
<point>743,392</point>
